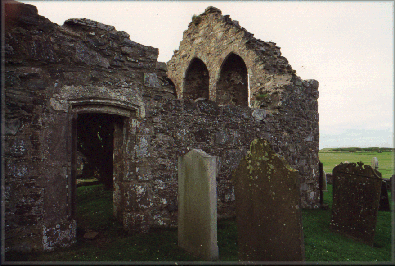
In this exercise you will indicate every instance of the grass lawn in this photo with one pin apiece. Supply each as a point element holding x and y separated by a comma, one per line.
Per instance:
<point>331,159</point>
<point>113,244</point>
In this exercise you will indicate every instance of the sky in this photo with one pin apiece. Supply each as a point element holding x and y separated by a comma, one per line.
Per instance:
<point>347,46</point>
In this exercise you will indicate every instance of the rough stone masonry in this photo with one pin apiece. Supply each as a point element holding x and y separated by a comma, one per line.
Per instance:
<point>221,89</point>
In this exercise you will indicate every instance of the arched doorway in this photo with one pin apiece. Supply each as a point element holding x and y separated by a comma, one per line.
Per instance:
<point>196,84</point>
<point>232,86</point>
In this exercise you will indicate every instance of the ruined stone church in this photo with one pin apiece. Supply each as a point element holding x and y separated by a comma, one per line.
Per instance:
<point>221,89</point>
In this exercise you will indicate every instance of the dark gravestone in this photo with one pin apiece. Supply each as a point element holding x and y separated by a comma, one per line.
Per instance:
<point>329,178</point>
<point>356,196</point>
<point>384,204</point>
<point>321,181</point>
<point>322,185</point>
<point>389,182</point>
<point>268,210</point>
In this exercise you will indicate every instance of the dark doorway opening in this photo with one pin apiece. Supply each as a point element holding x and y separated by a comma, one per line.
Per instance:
<point>96,139</point>
<point>196,81</point>
<point>95,143</point>
<point>232,87</point>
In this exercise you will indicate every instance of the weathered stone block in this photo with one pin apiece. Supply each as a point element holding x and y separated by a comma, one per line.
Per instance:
<point>221,137</point>
<point>259,114</point>
<point>151,80</point>
<point>144,172</point>
<point>17,147</point>
<point>62,234</point>
<point>197,204</point>
<point>12,126</point>
<point>142,147</point>
<point>208,107</point>
<point>268,210</point>
<point>136,196</point>
<point>130,171</point>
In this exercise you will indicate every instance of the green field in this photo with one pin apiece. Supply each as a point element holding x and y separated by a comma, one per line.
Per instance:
<point>332,158</point>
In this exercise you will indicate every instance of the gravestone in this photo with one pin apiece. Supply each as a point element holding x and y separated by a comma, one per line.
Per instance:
<point>375,163</point>
<point>384,204</point>
<point>390,182</point>
<point>197,204</point>
<point>322,185</point>
<point>321,181</point>
<point>268,210</point>
<point>356,196</point>
<point>325,183</point>
<point>329,178</point>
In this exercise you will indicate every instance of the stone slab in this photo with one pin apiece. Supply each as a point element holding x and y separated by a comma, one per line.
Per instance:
<point>384,204</point>
<point>324,183</point>
<point>268,209</point>
<point>356,196</point>
<point>375,163</point>
<point>197,204</point>
<point>329,179</point>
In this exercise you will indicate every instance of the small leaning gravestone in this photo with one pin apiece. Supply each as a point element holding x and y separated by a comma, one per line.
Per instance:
<point>268,214</point>
<point>197,204</point>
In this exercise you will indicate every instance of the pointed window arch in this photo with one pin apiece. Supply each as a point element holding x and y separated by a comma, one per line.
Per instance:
<point>196,84</point>
<point>232,86</point>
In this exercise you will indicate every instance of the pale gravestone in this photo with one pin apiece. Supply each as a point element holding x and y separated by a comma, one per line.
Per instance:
<point>197,204</point>
<point>268,210</point>
<point>375,163</point>
<point>356,196</point>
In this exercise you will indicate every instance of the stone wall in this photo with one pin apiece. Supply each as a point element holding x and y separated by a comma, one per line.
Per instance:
<point>54,73</point>
<point>245,71</point>
<point>173,127</point>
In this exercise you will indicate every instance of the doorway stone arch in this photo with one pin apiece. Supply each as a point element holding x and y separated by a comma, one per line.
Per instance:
<point>126,108</point>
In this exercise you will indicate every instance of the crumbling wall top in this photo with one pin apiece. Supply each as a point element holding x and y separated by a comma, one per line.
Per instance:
<point>212,38</point>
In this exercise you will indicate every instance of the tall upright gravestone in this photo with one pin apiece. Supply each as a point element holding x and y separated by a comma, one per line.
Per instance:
<point>356,196</point>
<point>322,185</point>
<point>269,221</point>
<point>384,204</point>
<point>375,163</point>
<point>197,204</point>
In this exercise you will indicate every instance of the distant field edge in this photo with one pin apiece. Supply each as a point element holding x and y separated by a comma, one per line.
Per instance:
<point>358,149</point>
